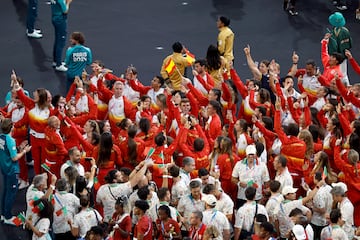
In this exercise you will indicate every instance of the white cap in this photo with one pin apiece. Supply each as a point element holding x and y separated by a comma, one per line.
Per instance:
<point>209,199</point>
<point>299,232</point>
<point>340,184</point>
<point>288,189</point>
<point>250,149</point>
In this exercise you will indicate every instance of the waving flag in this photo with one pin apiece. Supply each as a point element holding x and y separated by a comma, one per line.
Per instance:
<point>170,67</point>
<point>189,57</point>
<point>20,219</point>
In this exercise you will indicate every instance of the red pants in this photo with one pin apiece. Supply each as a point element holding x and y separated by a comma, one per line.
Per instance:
<point>22,162</point>
<point>38,152</point>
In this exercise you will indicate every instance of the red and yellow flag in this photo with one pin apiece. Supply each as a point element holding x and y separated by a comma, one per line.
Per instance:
<point>189,57</point>
<point>170,67</point>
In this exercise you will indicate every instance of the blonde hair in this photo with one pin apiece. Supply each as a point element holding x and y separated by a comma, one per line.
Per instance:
<point>353,157</point>
<point>306,136</point>
<point>212,231</point>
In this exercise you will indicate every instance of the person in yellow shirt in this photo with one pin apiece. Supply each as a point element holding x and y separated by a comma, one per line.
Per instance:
<point>181,63</point>
<point>225,39</point>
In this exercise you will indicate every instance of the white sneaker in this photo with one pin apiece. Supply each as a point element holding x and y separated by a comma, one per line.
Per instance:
<point>35,30</point>
<point>23,184</point>
<point>341,8</point>
<point>54,64</point>
<point>61,68</point>
<point>2,218</point>
<point>34,35</point>
<point>10,221</point>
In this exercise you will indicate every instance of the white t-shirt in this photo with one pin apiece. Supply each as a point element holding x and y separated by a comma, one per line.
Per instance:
<point>43,226</point>
<point>213,217</point>
<point>178,190</point>
<point>245,215</point>
<point>284,178</point>
<point>225,204</point>
<point>108,194</point>
<point>32,194</point>
<point>322,199</point>
<point>347,215</point>
<point>258,173</point>
<point>66,206</point>
<point>86,219</point>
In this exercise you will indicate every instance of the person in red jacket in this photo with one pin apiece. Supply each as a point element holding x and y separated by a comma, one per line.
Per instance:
<point>85,107</point>
<point>20,118</point>
<point>226,162</point>
<point>107,155</point>
<point>55,151</point>
<point>331,63</point>
<point>119,107</point>
<point>40,110</point>
<point>292,147</point>
<point>213,124</point>
<point>143,228</point>
<point>132,148</point>
<point>200,149</point>
<point>352,61</point>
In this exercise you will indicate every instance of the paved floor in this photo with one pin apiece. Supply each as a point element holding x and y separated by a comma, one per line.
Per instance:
<point>141,32</point>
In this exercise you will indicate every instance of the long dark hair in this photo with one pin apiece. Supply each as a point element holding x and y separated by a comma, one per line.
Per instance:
<point>105,148</point>
<point>47,209</point>
<point>213,58</point>
<point>132,146</point>
<point>144,125</point>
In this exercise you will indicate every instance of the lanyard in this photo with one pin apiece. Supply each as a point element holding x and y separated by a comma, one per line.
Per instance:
<point>193,202</point>
<point>213,216</point>
<point>195,235</point>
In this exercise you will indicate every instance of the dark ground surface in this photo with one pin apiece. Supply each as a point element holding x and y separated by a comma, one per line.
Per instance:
<point>121,33</point>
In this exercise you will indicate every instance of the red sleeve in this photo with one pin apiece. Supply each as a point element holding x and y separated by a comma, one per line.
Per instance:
<point>300,72</point>
<point>348,96</point>
<point>324,81</point>
<point>70,92</point>
<point>105,92</point>
<point>238,83</point>
<point>294,113</point>
<point>210,80</point>
<point>194,104</point>
<point>324,53</point>
<point>231,132</point>
<point>264,130</point>
<point>118,158</point>
<point>307,116</point>
<point>322,119</point>
<point>22,122</point>
<point>280,95</point>
<point>339,162</point>
<point>110,76</point>
<point>226,92</point>
<point>203,101</point>
<point>278,129</point>
<point>355,65</point>
<point>139,87</point>
<point>203,136</point>
<point>202,81</point>
<point>28,102</point>
<point>183,145</point>
<point>345,124</point>
<point>60,147</point>
<point>92,114</point>
<point>129,109</point>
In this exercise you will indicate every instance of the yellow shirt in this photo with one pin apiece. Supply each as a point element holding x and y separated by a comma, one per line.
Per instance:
<point>226,43</point>
<point>175,77</point>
